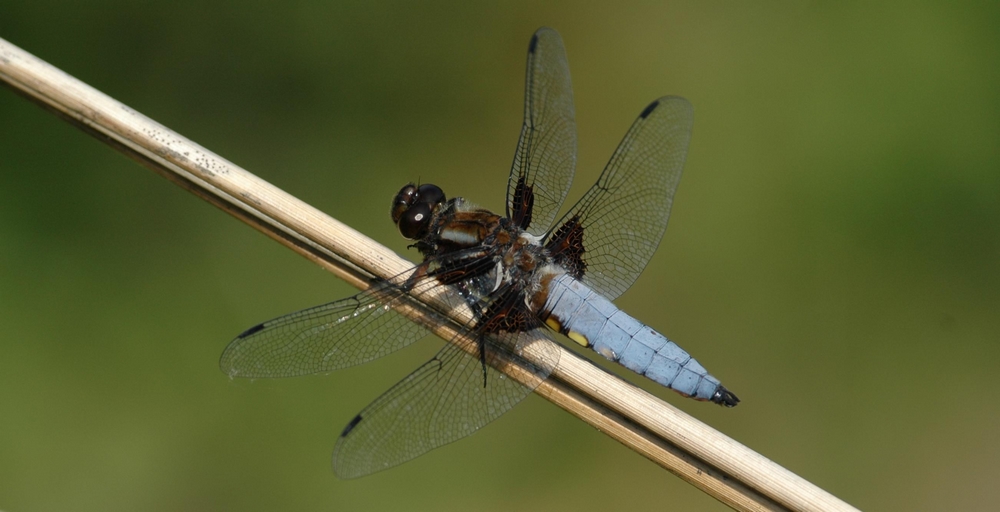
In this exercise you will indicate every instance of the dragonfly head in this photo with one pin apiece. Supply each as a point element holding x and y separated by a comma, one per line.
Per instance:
<point>412,209</point>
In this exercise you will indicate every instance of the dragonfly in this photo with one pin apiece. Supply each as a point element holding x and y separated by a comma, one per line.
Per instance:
<point>517,276</point>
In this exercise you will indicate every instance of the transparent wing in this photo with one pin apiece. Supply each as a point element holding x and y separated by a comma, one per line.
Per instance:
<point>344,333</point>
<point>444,400</point>
<point>608,237</point>
<point>546,151</point>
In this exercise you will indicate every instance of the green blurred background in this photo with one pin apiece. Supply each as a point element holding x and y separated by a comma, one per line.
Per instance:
<point>833,254</point>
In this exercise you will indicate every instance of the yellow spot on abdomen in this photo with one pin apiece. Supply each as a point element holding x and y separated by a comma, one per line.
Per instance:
<point>553,323</point>
<point>579,338</point>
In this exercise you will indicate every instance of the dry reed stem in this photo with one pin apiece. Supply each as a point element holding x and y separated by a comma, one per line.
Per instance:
<point>720,466</point>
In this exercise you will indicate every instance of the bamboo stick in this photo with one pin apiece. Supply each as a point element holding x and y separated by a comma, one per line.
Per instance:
<point>706,458</point>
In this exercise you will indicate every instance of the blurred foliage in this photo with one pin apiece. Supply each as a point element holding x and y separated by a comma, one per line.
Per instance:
<point>833,254</point>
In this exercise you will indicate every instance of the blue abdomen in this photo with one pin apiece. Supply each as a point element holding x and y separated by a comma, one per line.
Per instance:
<point>593,321</point>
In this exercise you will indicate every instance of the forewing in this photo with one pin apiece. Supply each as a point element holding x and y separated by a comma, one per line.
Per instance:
<point>608,237</point>
<point>444,400</point>
<point>546,151</point>
<point>328,337</point>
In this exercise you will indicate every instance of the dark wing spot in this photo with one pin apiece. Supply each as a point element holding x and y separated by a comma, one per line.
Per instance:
<point>649,110</point>
<point>507,312</point>
<point>566,246</point>
<point>534,43</point>
<point>248,332</point>
<point>523,202</point>
<point>350,426</point>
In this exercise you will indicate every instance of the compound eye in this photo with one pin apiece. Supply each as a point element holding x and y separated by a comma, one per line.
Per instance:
<point>430,194</point>
<point>416,221</point>
<point>402,201</point>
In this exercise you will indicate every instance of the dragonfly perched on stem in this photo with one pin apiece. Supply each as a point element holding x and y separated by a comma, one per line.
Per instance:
<point>516,276</point>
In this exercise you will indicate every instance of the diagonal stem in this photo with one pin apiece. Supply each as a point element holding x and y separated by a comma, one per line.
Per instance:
<point>706,458</point>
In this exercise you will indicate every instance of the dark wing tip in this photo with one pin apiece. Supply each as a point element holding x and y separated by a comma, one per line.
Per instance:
<point>649,109</point>
<point>725,397</point>
<point>350,426</point>
<point>533,44</point>
<point>252,330</point>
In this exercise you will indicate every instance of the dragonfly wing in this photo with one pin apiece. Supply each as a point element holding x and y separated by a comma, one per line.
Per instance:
<point>344,333</point>
<point>443,401</point>
<point>545,158</point>
<point>608,237</point>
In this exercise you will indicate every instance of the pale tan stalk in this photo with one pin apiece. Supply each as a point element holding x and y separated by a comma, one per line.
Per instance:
<point>720,466</point>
